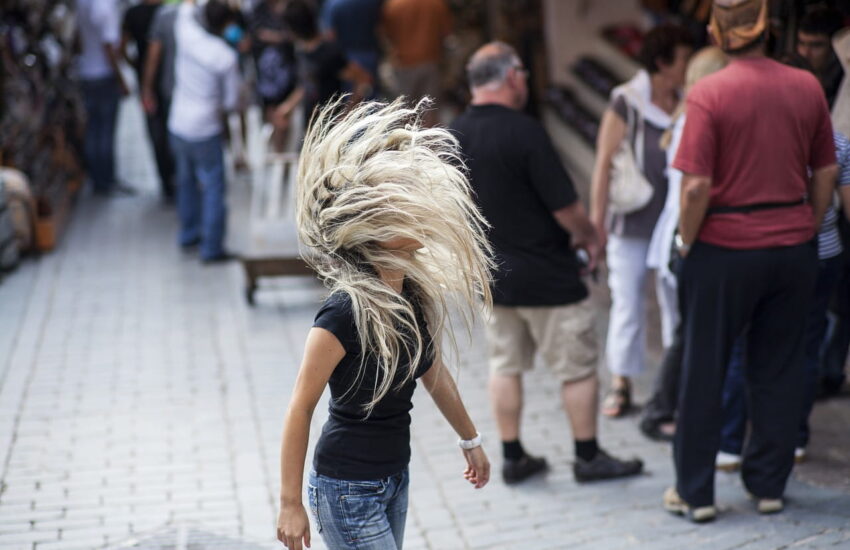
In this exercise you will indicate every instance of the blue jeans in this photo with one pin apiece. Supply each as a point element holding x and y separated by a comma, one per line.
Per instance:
<point>100,99</point>
<point>735,401</point>
<point>201,193</point>
<point>734,389</point>
<point>360,515</point>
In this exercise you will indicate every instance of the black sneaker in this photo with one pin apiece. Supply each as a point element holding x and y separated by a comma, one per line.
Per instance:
<point>605,466</point>
<point>520,469</point>
<point>222,258</point>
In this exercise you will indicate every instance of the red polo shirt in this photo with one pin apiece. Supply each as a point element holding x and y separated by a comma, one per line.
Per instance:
<point>756,128</point>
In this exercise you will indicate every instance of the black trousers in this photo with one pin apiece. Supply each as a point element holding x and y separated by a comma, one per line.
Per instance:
<point>724,290</point>
<point>158,132</point>
<point>665,396</point>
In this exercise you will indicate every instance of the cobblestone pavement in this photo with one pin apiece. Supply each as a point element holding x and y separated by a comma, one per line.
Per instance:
<point>138,392</point>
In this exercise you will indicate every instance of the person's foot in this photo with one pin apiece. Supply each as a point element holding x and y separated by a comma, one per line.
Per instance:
<point>520,469</point>
<point>190,245</point>
<point>674,504</point>
<point>221,258</point>
<point>767,505</point>
<point>800,455</point>
<point>604,466</point>
<point>727,462</point>
<point>618,402</point>
<point>658,431</point>
<point>122,190</point>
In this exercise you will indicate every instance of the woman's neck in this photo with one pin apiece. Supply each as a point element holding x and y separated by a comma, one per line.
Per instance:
<point>394,278</point>
<point>663,95</point>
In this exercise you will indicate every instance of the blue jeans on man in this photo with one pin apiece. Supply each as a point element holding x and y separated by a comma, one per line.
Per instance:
<point>361,515</point>
<point>201,194</point>
<point>100,98</point>
<point>734,389</point>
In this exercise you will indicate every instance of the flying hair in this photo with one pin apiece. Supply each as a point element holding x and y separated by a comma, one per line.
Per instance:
<point>374,173</point>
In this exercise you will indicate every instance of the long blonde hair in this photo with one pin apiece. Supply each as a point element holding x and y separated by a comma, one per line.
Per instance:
<point>703,63</point>
<point>372,174</point>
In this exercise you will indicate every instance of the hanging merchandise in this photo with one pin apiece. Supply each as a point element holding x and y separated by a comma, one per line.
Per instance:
<point>41,116</point>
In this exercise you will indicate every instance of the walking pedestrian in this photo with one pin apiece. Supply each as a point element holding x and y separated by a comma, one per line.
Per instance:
<point>158,89</point>
<point>748,215</point>
<point>394,229</point>
<point>323,68</point>
<point>541,304</point>
<point>353,25</point>
<point>639,114</point>
<point>206,88</point>
<point>101,86</point>
<point>137,25</point>
<point>415,31</point>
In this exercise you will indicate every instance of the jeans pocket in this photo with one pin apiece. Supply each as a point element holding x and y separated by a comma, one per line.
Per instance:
<point>313,498</point>
<point>363,514</point>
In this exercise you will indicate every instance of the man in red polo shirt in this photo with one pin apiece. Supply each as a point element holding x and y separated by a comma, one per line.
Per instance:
<point>759,162</point>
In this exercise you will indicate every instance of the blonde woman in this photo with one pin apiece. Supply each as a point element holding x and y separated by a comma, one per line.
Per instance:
<point>387,212</point>
<point>659,413</point>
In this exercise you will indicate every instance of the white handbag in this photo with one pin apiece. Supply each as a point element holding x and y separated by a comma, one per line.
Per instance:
<point>629,190</point>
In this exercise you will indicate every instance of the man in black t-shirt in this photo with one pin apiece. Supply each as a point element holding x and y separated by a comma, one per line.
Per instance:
<point>540,302</point>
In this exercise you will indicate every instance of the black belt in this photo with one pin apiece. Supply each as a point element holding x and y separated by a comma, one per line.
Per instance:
<point>747,208</point>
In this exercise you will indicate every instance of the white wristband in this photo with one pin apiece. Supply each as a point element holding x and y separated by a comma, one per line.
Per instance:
<point>467,444</point>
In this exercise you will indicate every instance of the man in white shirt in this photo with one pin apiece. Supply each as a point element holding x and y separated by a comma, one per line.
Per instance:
<point>206,88</point>
<point>101,86</point>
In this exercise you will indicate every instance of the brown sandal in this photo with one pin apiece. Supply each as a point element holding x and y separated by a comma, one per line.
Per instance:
<point>618,402</point>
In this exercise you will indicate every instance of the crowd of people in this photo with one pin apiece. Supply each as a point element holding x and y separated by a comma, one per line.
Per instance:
<point>718,168</point>
<point>196,62</point>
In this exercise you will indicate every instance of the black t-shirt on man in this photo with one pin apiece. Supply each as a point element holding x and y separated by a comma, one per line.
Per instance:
<point>518,180</point>
<point>353,446</point>
<point>137,24</point>
<point>319,70</point>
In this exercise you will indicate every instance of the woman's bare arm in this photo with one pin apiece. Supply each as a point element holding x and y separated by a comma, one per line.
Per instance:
<point>322,354</point>
<point>612,130</point>
<point>440,384</point>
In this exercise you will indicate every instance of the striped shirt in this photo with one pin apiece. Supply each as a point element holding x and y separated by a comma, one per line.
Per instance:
<point>829,241</point>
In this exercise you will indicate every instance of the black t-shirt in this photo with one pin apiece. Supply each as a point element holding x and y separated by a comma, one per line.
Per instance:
<point>518,182</point>
<point>137,23</point>
<point>353,446</point>
<point>319,71</point>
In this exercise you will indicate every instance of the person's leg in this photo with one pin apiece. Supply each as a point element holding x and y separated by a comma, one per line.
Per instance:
<point>106,145</point>
<point>625,347</point>
<point>188,196</point>
<point>719,288</point>
<point>775,372</point>
<point>829,271</point>
<point>659,414</point>
<point>158,132</point>
<point>209,171</point>
<point>352,515</point>
<point>95,124</point>
<point>667,291</point>
<point>835,355</point>
<point>397,505</point>
<point>565,336</point>
<point>511,351</point>
<point>734,404</point>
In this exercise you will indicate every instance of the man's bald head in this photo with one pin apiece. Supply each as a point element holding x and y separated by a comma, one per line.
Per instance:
<point>490,64</point>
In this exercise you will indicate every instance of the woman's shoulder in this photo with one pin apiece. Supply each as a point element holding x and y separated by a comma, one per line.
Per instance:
<point>336,315</point>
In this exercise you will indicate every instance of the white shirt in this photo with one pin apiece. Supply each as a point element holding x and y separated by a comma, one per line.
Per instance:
<point>99,24</point>
<point>206,79</point>
<point>658,256</point>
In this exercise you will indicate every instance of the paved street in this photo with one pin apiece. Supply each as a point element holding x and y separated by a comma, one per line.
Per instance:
<point>138,392</point>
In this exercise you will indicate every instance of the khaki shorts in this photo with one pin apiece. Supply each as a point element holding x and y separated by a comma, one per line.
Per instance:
<point>565,336</point>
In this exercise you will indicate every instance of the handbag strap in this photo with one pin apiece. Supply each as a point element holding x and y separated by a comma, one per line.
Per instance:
<point>634,135</point>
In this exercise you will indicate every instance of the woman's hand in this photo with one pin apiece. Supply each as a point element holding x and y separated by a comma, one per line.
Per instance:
<point>477,467</point>
<point>293,526</point>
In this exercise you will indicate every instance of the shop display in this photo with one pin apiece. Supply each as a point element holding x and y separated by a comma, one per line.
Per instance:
<point>41,120</point>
